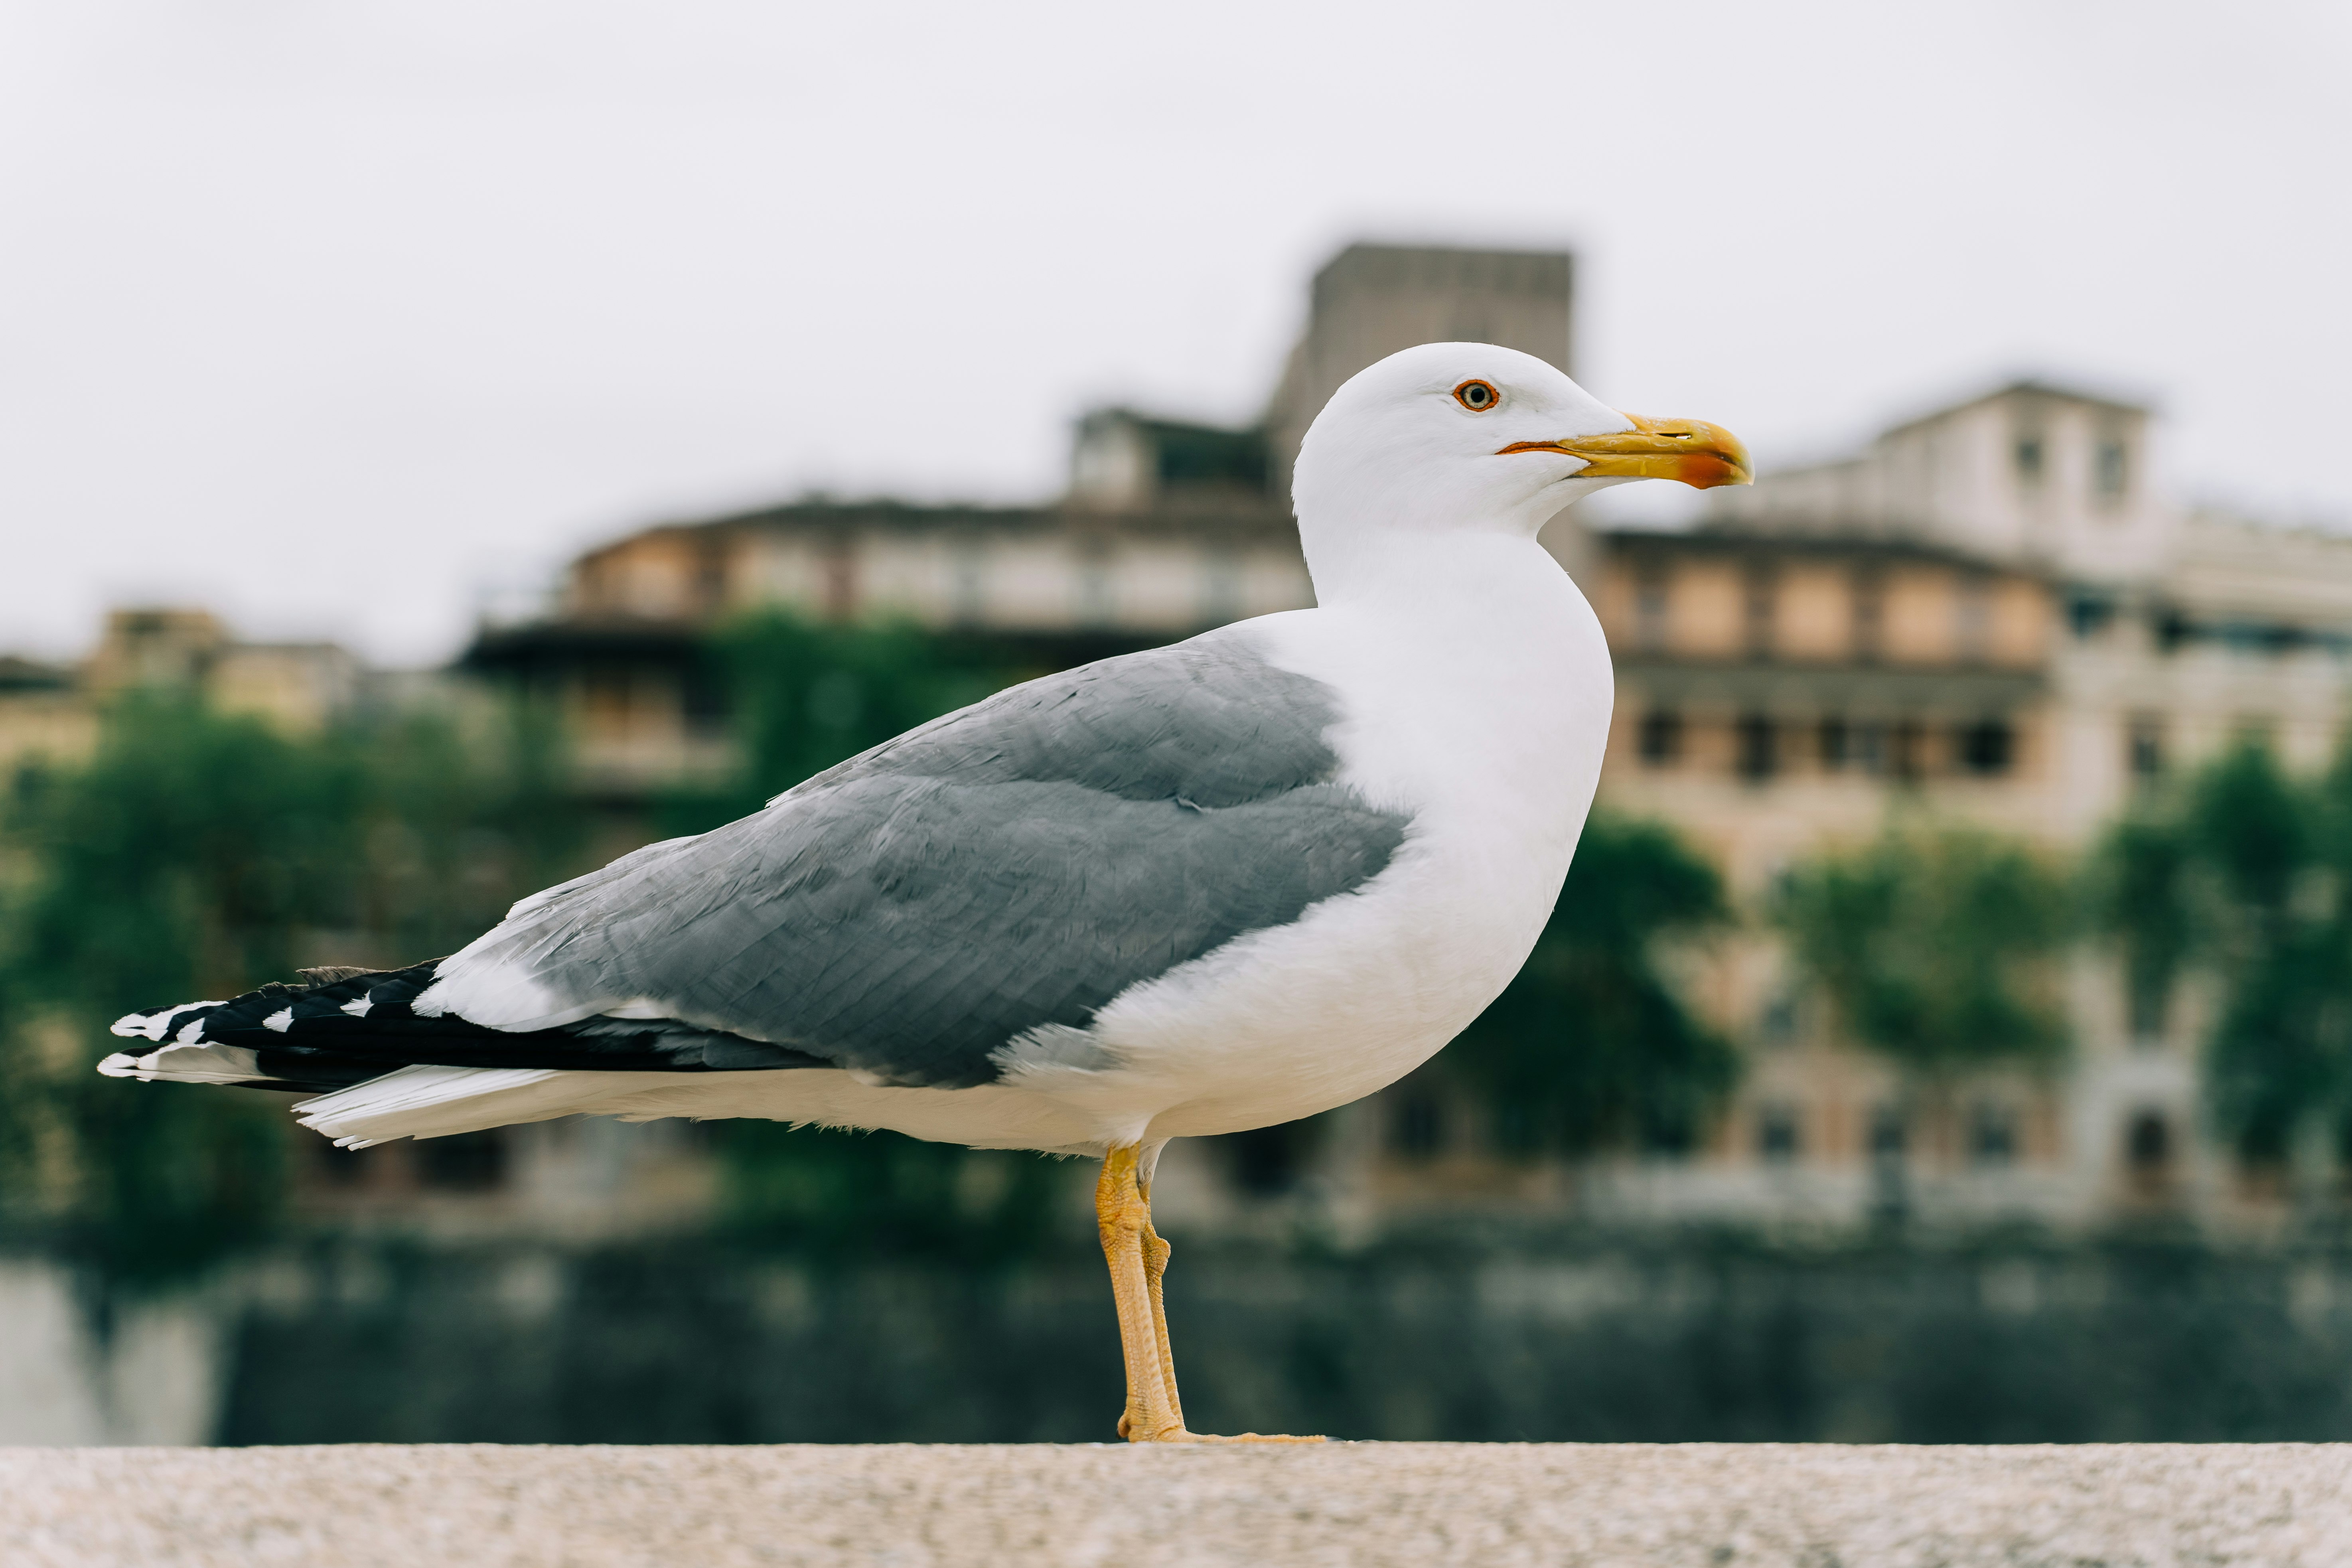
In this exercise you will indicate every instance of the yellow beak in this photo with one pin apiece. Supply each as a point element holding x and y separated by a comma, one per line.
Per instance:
<point>1698,454</point>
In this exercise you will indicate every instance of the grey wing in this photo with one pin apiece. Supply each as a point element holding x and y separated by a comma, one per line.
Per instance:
<point>1011,866</point>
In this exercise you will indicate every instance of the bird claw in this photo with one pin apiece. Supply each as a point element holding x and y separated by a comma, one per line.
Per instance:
<point>1178,1435</point>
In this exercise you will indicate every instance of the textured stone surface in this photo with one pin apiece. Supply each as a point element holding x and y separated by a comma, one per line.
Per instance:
<point>1355,1504</point>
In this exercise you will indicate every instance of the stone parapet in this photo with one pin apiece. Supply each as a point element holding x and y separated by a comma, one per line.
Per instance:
<point>1361,1504</point>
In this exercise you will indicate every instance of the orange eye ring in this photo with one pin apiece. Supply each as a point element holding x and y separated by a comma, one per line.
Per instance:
<point>1477,397</point>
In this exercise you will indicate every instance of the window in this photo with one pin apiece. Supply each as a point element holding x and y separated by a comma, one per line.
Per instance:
<point>1992,1134</point>
<point>1889,1139</point>
<point>967,582</point>
<point>2144,748</point>
<point>710,578</point>
<point>1902,749</point>
<point>2147,1147</point>
<point>1890,1133</point>
<point>2111,473</point>
<point>2088,615</point>
<point>1776,1025</point>
<point>1836,742</point>
<point>2248,639</point>
<point>1870,747</point>
<point>1417,1127</point>
<point>2147,1000</point>
<point>607,694</point>
<point>1987,747</point>
<point>1972,617</point>
<point>1758,607</point>
<point>1754,735</point>
<point>1660,737</point>
<point>702,700</point>
<point>1778,1134</point>
<point>1650,610</point>
<point>839,570</point>
<point>1869,613</point>
<point>1268,1161</point>
<point>2029,459</point>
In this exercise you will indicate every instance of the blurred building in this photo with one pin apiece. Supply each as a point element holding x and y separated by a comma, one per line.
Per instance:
<point>1987,615</point>
<point>43,713</point>
<point>51,711</point>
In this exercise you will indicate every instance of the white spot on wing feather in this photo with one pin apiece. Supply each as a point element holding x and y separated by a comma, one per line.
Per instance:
<point>153,1026</point>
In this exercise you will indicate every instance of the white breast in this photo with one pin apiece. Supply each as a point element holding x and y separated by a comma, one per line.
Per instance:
<point>1485,726</point>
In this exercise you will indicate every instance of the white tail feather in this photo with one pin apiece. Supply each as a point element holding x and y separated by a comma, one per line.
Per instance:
<point>436,1102</point>
<point>186,1064</point>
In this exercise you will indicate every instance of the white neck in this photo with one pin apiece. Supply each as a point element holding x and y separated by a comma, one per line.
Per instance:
<point>1422,571</point>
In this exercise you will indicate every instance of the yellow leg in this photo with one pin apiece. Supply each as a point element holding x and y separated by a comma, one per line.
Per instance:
<point>1138,1260</point>
<point>1156,1252</point>
<point>1124,1219</point>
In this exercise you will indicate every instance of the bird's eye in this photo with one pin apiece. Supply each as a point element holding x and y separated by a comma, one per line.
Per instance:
<point>1477,397</point>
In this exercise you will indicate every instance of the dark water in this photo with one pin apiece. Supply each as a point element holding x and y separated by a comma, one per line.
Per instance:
<point>1538,1338</point>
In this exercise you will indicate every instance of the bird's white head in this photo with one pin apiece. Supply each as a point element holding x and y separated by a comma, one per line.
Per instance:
<point>1454,438</point>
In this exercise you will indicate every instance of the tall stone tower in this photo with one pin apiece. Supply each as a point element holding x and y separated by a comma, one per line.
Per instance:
<point>1370,300</point>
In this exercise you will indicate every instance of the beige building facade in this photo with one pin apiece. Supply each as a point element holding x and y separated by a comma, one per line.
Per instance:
<point>1985,618</point>
<point>51,712</point>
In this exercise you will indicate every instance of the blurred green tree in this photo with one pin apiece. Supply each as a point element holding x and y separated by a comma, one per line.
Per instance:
<point>1592,1045</point>
<point>463,811</point>
<point>197,854</point>
<point>2244,874</point>
<point>1936,945</point>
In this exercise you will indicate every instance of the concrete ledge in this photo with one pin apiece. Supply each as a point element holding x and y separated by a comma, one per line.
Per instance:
<point>1496,1506</point>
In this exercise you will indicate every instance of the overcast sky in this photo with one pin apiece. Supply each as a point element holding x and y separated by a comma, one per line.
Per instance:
<point>333,317</point>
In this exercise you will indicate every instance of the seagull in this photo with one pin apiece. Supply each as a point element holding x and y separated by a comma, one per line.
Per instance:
<point>1202,888</point>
